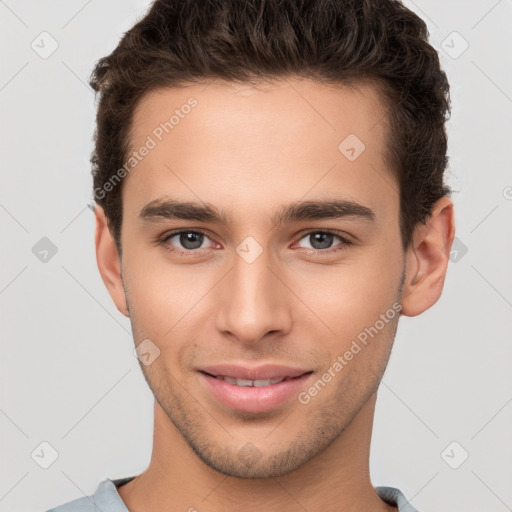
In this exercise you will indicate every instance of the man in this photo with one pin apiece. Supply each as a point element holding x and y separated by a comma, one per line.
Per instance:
<point>270,199</point>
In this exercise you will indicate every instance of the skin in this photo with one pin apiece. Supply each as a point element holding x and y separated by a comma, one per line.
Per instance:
<point>250,150</point>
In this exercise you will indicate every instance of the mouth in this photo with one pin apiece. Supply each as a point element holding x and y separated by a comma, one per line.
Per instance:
<point>253,383</point>
<point>253,395</point>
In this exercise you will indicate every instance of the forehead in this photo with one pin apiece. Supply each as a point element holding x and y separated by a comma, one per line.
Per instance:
<point>265,143</point>
<point>292,105</point>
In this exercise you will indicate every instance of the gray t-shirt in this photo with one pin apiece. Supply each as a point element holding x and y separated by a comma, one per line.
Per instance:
<point>107,499</point>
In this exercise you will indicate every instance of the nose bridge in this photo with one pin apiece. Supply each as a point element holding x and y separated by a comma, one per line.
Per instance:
<point>253,302</point>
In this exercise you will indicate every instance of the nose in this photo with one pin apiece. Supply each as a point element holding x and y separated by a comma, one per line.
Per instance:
<point>253,301</point>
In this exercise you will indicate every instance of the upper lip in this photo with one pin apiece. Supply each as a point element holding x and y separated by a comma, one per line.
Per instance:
<point>263,372</point>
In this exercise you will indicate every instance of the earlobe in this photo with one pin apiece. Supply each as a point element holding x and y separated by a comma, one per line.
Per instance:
<point>427,259</point>
<point>109,262</point>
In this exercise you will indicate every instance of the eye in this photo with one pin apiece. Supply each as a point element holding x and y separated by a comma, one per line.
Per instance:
<point>190,241</point>
<point>187,242</point>
<point>321,241</point>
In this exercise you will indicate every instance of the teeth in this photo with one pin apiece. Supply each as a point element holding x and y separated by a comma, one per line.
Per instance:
<point>255,383</point>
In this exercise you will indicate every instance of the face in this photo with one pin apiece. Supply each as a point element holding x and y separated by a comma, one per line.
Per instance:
<point>259,277</point>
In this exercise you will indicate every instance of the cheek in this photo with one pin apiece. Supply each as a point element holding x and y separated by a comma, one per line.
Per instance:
<point>355,306</point>
<point>165,298</point>
<point>350,295</point>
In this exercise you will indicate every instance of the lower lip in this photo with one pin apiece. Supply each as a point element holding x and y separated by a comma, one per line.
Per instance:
<point>254,398</point>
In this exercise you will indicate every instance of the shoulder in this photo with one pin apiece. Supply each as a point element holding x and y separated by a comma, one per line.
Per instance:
<point>105,498</point>
<point>394,496</point>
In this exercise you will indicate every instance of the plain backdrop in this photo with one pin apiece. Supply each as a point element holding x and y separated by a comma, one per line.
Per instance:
<point>69,379</point>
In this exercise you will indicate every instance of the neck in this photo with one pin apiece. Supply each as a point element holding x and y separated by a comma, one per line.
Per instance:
<point>177,479</point>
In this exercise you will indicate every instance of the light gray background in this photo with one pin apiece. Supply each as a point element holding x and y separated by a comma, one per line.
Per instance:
<point>68,374</point>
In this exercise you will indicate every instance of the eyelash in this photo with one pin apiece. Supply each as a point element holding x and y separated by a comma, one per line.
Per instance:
<point>164,241</point>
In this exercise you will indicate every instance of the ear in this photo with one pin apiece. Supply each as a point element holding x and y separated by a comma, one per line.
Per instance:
<point>109,261</point>
<point>427,259</point>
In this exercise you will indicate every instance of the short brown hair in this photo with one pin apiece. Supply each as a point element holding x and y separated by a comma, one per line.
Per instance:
<point>180,42</point>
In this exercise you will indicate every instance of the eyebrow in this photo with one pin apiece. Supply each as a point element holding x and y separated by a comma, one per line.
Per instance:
<point>168,208</point>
